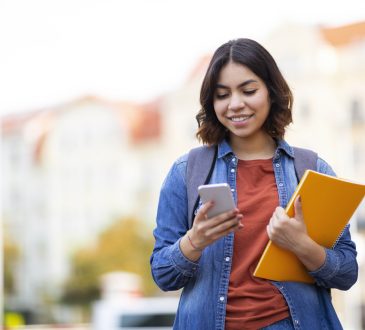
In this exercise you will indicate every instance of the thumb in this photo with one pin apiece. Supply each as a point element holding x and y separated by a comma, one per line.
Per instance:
<point>298,211</point>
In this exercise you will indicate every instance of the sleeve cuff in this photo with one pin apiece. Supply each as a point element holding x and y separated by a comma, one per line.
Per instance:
<point>329,268</point>
<point>186,266</point>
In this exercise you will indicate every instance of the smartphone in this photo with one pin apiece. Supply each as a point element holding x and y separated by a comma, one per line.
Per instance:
<point>222,196</point>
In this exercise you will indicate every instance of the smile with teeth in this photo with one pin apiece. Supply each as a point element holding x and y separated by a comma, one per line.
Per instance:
<point>240,118</point>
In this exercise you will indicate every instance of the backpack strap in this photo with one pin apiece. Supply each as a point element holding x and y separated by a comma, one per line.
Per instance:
<point>200,166</point>
<point>304,159</point>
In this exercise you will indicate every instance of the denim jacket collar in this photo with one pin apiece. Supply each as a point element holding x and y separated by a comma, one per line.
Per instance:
<point>282,145</point>
<point>224,149</point>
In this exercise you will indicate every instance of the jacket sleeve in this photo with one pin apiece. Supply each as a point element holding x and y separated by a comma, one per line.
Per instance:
<point>171,270</point>
<point>340,269</point>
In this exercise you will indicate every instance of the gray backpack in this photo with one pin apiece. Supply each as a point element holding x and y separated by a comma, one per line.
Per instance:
<point>200,166</point>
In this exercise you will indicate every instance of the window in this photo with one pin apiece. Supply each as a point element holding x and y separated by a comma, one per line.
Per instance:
<point>304,111</point>
<point>357,113</point>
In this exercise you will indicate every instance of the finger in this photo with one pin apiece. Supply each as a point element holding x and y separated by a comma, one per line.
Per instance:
<point>269,227</point>
<point>227,226</point>
<point>223,217</point>
<point>202,212</point>
<point>276,218</point>
<point>280,213</point>
<point>298,211</point>
<point>218,234</point>
<point>231,222</point>
<point>268,230</point>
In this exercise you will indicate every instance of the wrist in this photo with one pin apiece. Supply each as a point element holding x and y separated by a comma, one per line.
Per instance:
<point>302,245</point>
<point>311,254</point>
<point>188,250</point>
<point>193,245</point>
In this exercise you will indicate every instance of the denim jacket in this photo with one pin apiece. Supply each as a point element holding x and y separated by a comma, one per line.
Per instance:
<point>205,282</point>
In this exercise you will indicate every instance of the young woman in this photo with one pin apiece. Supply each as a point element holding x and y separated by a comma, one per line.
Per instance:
<point>245,106</point>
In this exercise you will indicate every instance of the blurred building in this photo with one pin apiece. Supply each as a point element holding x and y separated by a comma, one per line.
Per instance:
<point>325,68</point>
<point>70,170</point>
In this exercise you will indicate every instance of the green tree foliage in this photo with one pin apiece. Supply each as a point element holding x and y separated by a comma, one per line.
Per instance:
<point>11,253</point>
<point>125,246</point>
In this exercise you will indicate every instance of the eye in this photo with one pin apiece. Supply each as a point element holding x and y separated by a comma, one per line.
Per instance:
<point>221,96</point>
<point>250,92</point>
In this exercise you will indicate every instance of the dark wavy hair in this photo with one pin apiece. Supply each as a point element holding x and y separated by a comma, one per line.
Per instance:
<point>251,54</point>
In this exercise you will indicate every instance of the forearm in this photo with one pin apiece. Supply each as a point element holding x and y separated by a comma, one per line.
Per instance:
<point>311,254</point>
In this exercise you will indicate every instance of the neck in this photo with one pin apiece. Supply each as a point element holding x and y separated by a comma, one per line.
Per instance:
<point>261,146</point>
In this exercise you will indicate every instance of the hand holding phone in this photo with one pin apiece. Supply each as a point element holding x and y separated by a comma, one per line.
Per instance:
<point>222,196</point>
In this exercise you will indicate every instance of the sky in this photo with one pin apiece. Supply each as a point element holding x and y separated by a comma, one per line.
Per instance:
<point>53,51</point>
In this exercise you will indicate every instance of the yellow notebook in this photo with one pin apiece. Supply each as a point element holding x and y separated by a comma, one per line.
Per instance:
<point>328,204</point>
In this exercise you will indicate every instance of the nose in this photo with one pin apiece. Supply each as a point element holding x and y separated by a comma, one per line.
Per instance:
<point>236,102</point>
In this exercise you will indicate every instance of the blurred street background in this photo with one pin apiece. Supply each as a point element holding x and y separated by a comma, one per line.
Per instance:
<point>98,98</point>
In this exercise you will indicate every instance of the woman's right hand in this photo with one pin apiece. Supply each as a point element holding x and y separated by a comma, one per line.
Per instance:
<point>206,231</point>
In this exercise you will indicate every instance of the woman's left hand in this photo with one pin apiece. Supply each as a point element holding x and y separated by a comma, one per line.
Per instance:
<point>291,234</point>
<point>285,231</point>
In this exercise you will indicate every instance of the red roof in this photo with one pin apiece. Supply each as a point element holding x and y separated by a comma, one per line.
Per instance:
<point>344,35</point>
<point>143,120</point>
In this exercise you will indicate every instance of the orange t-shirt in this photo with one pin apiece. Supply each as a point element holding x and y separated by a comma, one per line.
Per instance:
<point>253,302</point>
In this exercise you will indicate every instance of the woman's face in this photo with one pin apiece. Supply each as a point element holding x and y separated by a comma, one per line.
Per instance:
<point>241,101</point>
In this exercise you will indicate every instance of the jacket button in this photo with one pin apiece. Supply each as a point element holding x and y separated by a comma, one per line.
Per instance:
<point>227,258</point>
<point>221,298</point>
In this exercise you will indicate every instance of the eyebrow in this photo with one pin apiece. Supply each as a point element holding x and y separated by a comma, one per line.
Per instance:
<point>247,82</point>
